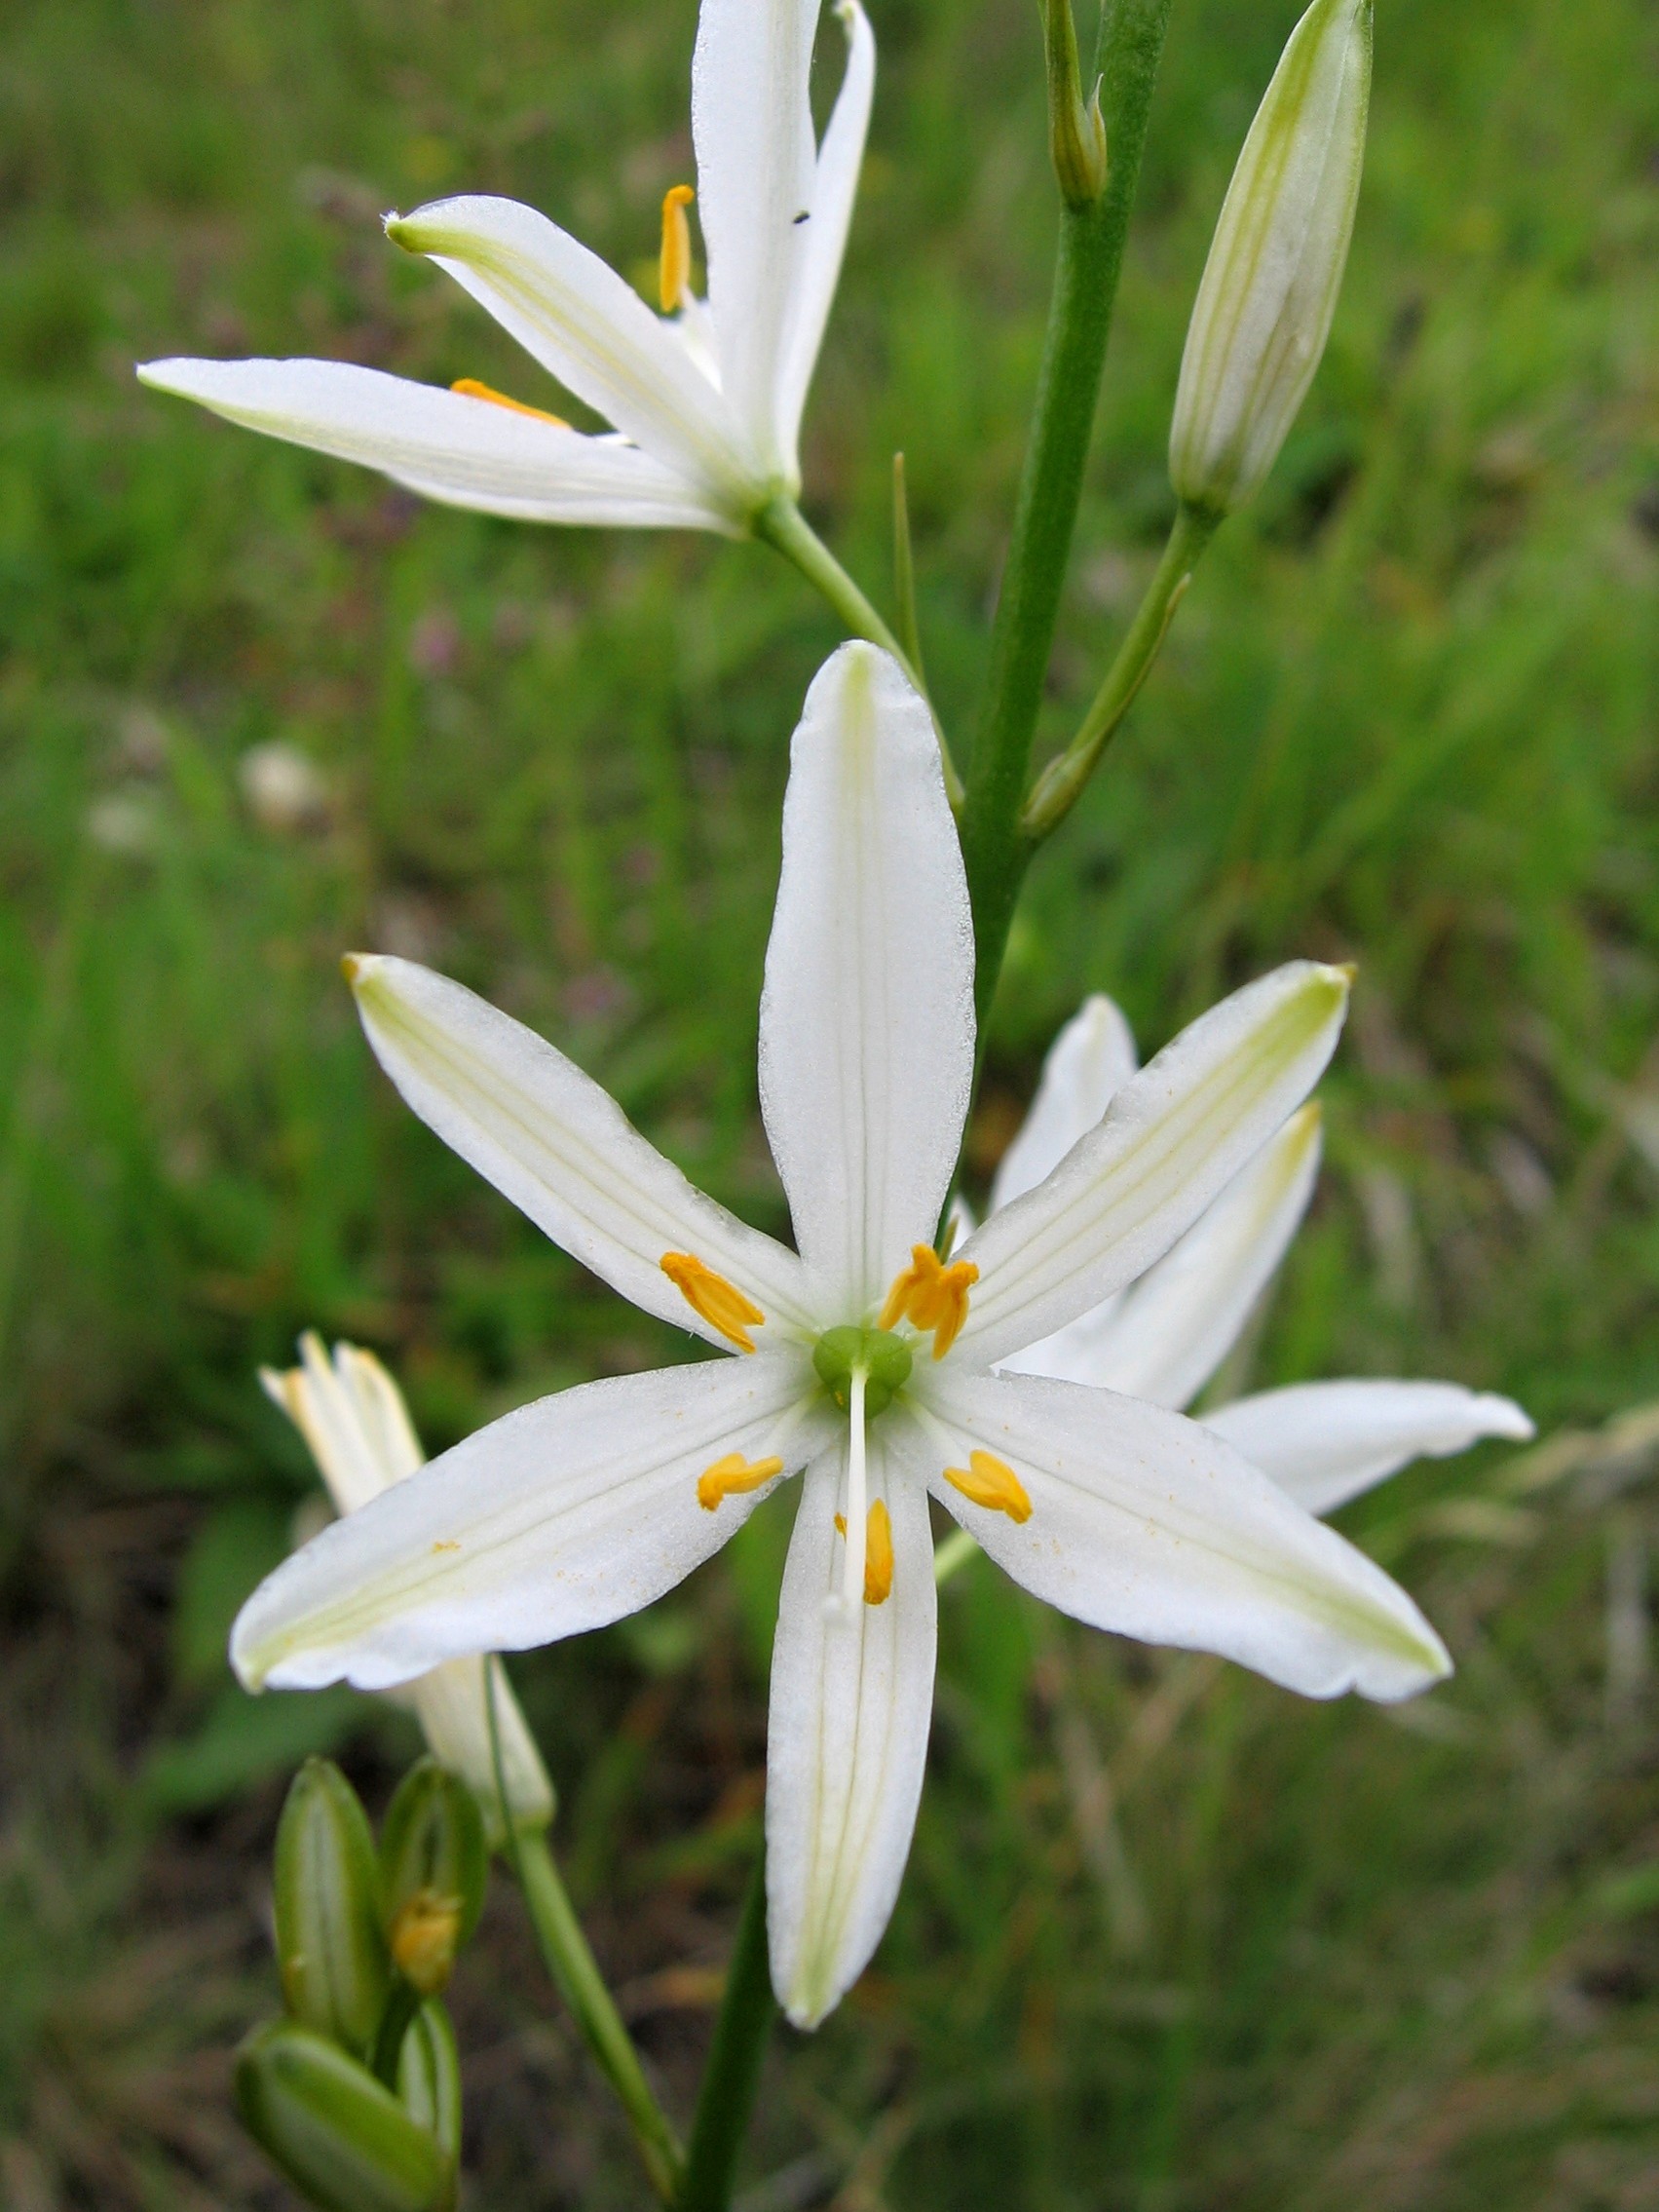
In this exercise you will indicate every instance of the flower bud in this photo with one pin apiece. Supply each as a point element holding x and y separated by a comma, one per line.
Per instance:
<point>1076,131</point>
<point>434,1863</point>
<point>429,2075</point>
<point>344,2140</point>
<point>1270,286</point>
<point>330,1951</point>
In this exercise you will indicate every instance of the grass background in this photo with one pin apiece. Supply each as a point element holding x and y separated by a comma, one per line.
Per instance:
<point>1170,1938</point>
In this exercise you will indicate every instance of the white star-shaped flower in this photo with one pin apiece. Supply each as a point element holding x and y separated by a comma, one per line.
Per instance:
<point>861,1360</point>
<point>1164,1337</point>
<point>705,400</point>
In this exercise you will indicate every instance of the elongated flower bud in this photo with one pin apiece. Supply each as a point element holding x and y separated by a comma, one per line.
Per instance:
<point>429,2075</point>
<point>434,1864</point>
<point>330,1951</point>
<point>1270,286</point>
<point>344,2140</point>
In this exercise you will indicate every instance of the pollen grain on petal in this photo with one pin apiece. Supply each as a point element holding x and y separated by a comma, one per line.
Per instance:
<point>990,1482</point>
<point>674,265</point>
<point>878,1553</point>
<point>731,1476</point>
<point>720,1303</point>
<point>469,388</point>
<point>931,1295</point>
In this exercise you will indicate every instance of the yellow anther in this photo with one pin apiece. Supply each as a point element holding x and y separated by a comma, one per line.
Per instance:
<point>469,388</point>
<point>878,1553</point>
<point>675,266</point>
<point>423,1939</point>
<point>931,1296</point>
<point>990,1482</point>
<point>731,1476</point>
<point>720,1303</point>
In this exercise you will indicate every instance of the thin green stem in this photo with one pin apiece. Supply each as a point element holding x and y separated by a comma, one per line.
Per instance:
<point>1089,261</point>
<point>576,1975</point>
<point>732,2075</point>
<point>1058,788</point>
<point>783,526</point>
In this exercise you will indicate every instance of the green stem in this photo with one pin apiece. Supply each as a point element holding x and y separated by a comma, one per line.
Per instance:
<point>1089,261</point>
<point>783,526</point>
<point>577,1977</point>
<point>734,2069</point>
<point>572,1965</point>
<point>1058,788</point>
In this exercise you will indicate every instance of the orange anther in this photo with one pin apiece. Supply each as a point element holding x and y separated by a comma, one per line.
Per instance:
<point>930,1295</point>
<point>878,1553</point>
<point>720,1303</point>
<point>993,1483</point>
<point>731,1476</point>
<point>469,388</point>
<point>674,263</point>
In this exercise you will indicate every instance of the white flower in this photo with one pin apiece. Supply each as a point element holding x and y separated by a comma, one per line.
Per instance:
<point>1270,286</point>
<point>352,1417</point>
<point>705,400</point>
<point>1164,1338</point>
<point>862,1359</point>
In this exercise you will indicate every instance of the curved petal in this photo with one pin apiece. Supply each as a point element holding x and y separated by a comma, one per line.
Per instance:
<point>563,1151</point>
<point>835,187</point>
<point>1325,1442</point>
<point>563,1515</point>
<point>353,1419</point>
<point>461,451</point>
<point>847,1741</point>
<point>452,1702</point>
<point>1144,1523</point>
<point>752,127</point>
<point>1166,1335</point>
<point>866,1042</point>
<point>1169,1144</point>
<point>590,330</point>
<point>1087,1065</point>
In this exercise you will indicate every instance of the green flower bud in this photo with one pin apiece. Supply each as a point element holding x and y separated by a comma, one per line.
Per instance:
<point>428,2075</point>
<point>434,1865</point>
<point>341,2138</point>
<point>331,1947</point>
<point>1270,286</point>
<point>1076,131</point>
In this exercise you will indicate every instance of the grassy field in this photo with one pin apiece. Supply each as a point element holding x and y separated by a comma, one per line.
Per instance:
<point>1171,1941</point>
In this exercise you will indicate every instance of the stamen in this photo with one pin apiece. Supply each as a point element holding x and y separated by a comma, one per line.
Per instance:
<point>469,388</point>
<point>931,1296</point>
<point>857,1527</point>
<point>674,264</point>
<point>990,1482</point>
<point>878,1553</point>
<point>731,1476</point>
<point>720,1303</point>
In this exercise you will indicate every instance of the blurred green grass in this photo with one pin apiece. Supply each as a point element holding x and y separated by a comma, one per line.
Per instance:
<point>1169,1939</point>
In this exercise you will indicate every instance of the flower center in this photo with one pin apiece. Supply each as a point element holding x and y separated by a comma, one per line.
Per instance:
<point>931,1293</point>
<point>882,1357</point>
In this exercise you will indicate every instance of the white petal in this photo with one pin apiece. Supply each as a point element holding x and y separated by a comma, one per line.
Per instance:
<point>453,1703</point>
<point>866,1051</point>
<point>562,1516</point>
<point>824,241</point>
<point>852,1701</point>
<point>562,1150</point>
<point>463,451</point>
<point>1088,1063</point>
<point>1144,1523</point>
<point>590,330</point>
<point>752,126</point>
<point>1325,1442</point>
<point>1165,1336</point>
<point>1169,1143</point>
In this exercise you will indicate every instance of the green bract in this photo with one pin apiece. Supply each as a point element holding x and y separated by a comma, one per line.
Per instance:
<point>330,1951</point>
<point>434,1864</point>
<point>883,1358</point>
<point>343,2140</point>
